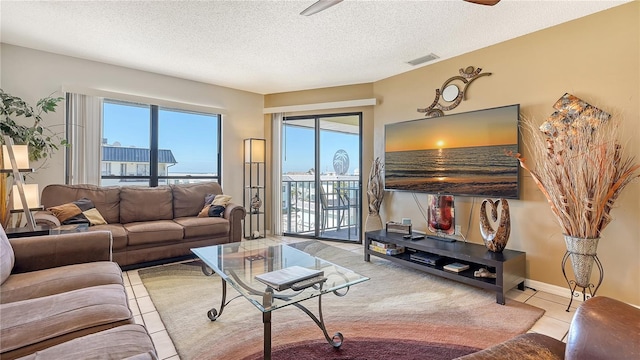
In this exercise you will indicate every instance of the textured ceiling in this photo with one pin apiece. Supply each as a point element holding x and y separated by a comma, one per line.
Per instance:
<point>266,46</point>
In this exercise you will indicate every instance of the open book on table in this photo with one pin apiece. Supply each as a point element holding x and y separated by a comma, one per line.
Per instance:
<point>283,279</point>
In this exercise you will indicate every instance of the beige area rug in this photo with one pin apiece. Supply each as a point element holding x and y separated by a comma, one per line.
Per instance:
<point>396,303</point>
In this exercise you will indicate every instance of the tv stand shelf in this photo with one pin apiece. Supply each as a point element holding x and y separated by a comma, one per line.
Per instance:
<point>509,266</point>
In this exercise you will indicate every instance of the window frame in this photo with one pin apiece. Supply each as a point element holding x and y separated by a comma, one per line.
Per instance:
<point>154,177</point>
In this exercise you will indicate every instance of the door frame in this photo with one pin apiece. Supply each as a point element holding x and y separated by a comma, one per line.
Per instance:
<point>317,118</point>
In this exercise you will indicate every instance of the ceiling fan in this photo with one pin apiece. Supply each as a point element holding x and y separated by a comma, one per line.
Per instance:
<point>325,4</point>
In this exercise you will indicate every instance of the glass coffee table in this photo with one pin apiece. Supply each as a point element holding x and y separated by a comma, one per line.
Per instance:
<point>239,263</point>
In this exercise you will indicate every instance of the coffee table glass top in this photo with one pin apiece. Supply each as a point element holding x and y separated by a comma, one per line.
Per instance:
<point>239,263</point>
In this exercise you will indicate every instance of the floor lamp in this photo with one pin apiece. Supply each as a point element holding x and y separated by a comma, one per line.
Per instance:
<point>18,162</point>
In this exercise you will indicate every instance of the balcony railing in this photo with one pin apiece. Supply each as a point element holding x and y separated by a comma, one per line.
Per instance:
<point>338,206</point>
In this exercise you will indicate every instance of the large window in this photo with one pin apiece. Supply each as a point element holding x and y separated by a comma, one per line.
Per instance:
<point>155,146</point>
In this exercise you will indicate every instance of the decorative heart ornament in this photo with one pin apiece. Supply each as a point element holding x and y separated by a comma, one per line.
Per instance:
<point>495,240</point>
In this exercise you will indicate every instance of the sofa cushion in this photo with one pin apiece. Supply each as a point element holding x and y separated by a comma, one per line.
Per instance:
<point>7,257</point>
<point>118,234</point>
<point>150,232</point>
<point>105,198</point>
<point>199,227</point>
<point>57,280</point>
<point>31,325</point>
<point>145,204</point>
<point>123,342</point>
<point>188,199</point>
<point>81,211</point>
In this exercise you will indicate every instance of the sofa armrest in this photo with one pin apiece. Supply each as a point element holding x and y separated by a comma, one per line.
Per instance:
<point>235,214</point>
<point>604,328</point>
<point>46,218</point>
<point>48,251</point>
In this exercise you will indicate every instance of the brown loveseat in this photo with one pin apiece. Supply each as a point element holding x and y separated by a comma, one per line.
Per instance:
<point>61,296</point>
<point>601,329</point>
<point>152,223</point>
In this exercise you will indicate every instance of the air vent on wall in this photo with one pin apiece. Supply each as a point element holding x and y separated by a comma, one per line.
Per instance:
<point>422,60</point>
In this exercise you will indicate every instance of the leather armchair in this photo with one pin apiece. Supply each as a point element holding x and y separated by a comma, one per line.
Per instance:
<point>602,328</point>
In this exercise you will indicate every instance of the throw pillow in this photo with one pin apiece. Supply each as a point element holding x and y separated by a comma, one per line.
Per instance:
<point>214,205</point>
<point>81,211</point>
<point>205,211</point>
<point>216,211</point>
<point>222,200</point>
<point>208,199</point>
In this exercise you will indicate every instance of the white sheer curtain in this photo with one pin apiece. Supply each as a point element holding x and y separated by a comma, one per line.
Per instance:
<point>84,133</point>
<point>276,172</point>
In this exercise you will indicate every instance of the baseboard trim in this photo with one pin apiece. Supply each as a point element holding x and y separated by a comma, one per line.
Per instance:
<point>551,289</point>
<point>557,290</point>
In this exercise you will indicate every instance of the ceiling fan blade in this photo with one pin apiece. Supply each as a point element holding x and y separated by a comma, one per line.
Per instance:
<point>319,6</point>
<point>484,2</point>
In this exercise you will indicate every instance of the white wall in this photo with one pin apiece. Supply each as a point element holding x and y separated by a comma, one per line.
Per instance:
<point>32,74</point>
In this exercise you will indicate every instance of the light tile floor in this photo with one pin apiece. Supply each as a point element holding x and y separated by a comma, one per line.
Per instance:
<point>554,323</point>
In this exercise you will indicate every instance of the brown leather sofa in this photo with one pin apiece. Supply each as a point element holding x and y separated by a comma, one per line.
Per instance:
<point>61,296</point>
<point>602,328</point>
<point>151,223</point>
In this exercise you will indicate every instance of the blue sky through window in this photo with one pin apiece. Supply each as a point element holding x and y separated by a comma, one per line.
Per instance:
<point>298,154</point>
<point>191,137</point>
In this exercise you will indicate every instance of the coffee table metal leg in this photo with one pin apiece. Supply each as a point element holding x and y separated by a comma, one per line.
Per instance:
<point>213,314</point>
<point>267,300</point>
<point>336,340</point>
<point>266,321</point>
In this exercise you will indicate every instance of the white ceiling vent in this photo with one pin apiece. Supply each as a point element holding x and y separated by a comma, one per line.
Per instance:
<point>422,60</point>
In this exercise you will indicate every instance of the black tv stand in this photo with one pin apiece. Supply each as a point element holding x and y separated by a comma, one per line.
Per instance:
<point>440,238</point>
<point>509,265</point>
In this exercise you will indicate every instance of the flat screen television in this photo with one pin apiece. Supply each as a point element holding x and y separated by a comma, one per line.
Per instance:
<point>461,154</point>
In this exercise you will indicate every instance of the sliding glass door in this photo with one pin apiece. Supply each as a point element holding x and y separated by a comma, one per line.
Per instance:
<point>321,181</point>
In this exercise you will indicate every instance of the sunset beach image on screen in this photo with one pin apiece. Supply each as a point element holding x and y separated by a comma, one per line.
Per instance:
<point>458,154</point>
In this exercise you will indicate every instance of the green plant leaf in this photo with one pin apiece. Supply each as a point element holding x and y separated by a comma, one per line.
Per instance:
<point>41,140</point>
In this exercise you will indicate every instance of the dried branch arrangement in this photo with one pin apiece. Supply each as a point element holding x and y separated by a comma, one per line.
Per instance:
<point>375,188</point>
<point>579,165</point>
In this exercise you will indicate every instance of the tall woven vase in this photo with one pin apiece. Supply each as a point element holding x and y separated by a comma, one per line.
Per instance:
<point>582,253</point>
<point>373,222</point>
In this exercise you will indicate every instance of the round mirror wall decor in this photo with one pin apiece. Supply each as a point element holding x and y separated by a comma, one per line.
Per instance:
<point>451,93</point>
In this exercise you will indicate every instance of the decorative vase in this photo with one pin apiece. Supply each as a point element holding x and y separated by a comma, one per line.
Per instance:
<point>373,222</point>
<point>375,195</point>
<point>495,240</point>
<point>582,253</point>
<point>256,203</point>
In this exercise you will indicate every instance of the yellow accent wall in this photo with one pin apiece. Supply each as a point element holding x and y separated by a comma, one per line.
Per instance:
<point>595,58</point>
<point>327,95</point>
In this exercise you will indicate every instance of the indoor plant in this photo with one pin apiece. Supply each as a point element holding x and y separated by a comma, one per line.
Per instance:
<point>41,140</point>
<point>580,166</point>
